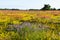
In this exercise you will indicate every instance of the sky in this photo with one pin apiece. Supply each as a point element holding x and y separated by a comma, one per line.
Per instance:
<point>28,4</point>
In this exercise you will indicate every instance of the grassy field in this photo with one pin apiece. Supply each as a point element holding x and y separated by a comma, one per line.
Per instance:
<point>29,25</point>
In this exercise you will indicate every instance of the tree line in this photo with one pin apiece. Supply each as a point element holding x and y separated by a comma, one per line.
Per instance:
<point>8,9</point>
<point>46,7</point>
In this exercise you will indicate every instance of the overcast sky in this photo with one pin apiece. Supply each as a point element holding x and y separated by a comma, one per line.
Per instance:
<point>27,4</point>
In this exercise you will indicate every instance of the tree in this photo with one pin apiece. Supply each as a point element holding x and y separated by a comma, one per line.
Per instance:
<point>33,9</point>
<point>58,9</point>
<point>53,8</point>
<point>46,7</point>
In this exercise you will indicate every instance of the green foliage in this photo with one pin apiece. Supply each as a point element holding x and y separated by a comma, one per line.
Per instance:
<point>46,7</point>
<point>9,36</point>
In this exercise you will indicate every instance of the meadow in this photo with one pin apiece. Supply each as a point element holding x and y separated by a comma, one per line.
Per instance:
<point>29,25</point>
